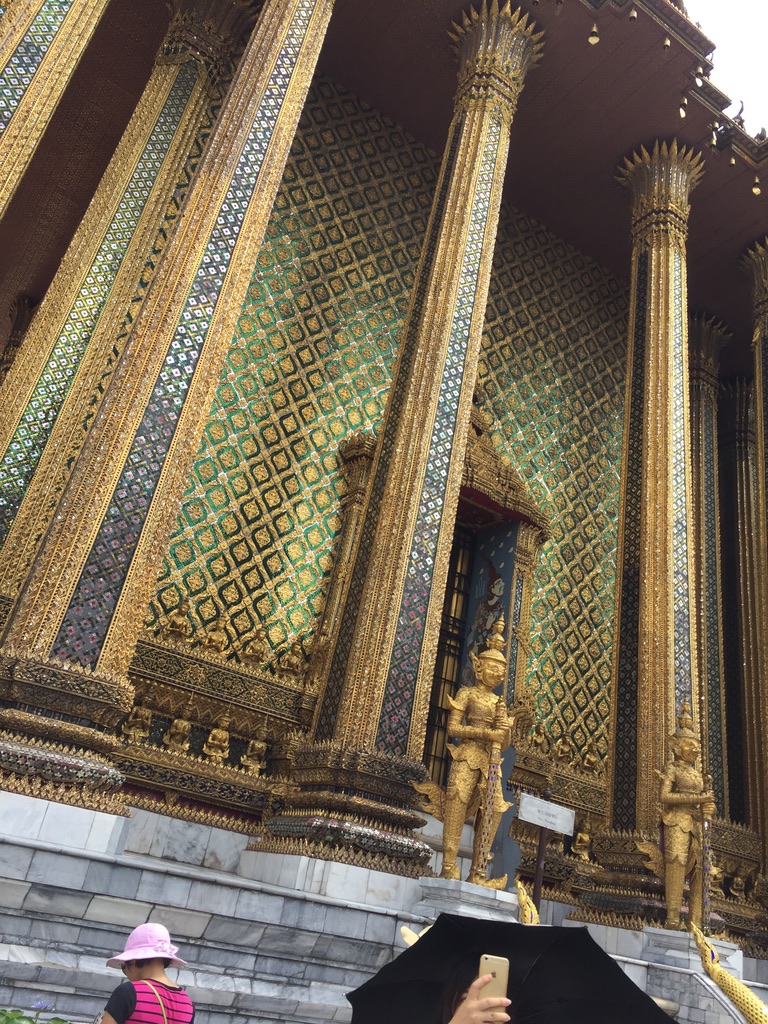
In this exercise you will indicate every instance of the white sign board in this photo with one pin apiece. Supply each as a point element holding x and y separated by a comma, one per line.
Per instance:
<point>555,817</point>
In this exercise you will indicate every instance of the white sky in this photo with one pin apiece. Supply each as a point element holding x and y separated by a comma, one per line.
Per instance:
<point>739,28</point>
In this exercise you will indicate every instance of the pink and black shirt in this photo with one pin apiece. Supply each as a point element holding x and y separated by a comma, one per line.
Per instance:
<point>134,1002</point>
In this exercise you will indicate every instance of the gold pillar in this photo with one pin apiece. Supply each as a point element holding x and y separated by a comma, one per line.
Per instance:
<point>381,675</point>
<point>656,656</point>
<point>756,262</point>
<point>71,635</point>
<point>744,635</point>
<point>527,550</point>
<point>707,338</point>
<point>357,454</point>
<point>72,347</point>
<point>33,78</point>
<point>21,314</point>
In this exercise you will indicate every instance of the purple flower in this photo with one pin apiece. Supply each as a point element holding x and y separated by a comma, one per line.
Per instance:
<point>40,1004</point>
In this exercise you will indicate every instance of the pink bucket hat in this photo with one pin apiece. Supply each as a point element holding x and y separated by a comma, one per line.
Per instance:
<point>147,942</point>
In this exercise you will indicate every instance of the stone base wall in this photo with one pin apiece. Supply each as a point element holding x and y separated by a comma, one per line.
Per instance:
<point>268,939</point>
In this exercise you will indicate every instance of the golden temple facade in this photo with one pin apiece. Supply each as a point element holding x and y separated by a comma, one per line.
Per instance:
<point>356,337</point>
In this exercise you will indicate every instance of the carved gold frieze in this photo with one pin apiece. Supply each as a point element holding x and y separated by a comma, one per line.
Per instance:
<point>196,778</point>
<point>220,686</point>
<point>165,717</point>
<point>67,691</point>
<point>336,850</point>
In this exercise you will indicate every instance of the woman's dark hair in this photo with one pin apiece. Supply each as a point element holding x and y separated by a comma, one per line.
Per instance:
<point>166,963</point>
<point>462,973</point>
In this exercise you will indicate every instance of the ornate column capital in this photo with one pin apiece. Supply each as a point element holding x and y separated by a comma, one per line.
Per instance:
<point>496,47</point>
<point>213,31</point>
<point>661,183</point>
<point>755,263</point>
<point>22,308</point>
<point>357,454</point>
<point>707,338</point>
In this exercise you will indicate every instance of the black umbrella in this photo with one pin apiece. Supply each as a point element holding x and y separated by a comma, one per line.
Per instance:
<point>556,976</point>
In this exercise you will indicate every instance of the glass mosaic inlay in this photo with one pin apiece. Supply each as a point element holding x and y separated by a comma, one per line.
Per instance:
<point>88,617</point>
<point>552,371</point>
<point>715,709</point>
<point>627,640</point>
<point>20,69</point>
<point>397,706</point>
<point>332,695</point>
<point>680,498</point>
<point>310,363</point>
<point>20,459</point>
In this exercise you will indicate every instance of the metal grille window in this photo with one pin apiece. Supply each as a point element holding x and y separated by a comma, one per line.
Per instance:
<point>449,656</point>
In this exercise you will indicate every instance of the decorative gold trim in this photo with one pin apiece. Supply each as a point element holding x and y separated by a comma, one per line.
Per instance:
<point>60,793</point>
<point>170,806</point>
<point>33,113</point>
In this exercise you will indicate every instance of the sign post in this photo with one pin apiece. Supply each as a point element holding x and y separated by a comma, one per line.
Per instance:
<point>550,817</point>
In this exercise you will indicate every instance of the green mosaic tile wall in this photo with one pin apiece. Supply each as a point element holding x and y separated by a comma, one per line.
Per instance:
<point>312,362</point>
<point>553,370</point>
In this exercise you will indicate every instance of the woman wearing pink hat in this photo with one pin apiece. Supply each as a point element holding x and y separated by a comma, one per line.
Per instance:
<point>147,996</point>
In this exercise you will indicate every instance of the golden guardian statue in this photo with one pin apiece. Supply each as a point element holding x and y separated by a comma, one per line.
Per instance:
<point>481,723</point>
<point>685,806</point>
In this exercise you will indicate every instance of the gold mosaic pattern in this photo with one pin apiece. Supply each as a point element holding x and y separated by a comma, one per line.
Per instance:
<point>553,369</point>
<point>311,363</point>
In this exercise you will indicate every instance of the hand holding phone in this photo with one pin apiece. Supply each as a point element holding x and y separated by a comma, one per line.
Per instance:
<point>474,1008</point>
<point>498,967</point>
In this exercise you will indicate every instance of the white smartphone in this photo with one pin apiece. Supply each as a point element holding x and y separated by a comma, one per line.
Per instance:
<point>498,967</point>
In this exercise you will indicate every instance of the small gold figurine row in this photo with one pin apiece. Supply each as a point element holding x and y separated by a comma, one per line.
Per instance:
<point>176,739</point>
<point>289,667</point>
<point>178,626</point>
<point>565,753</point>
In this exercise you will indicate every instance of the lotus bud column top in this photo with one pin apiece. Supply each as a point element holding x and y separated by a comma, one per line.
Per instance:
<point>661,183</point>
<point>755,262</point>
<point>496,47</point>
